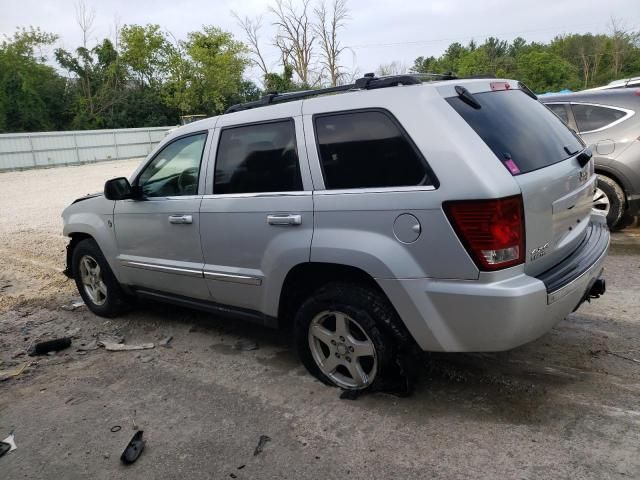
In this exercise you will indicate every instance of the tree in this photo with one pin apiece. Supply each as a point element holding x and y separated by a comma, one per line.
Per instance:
<point>392,68</point>
<point>32,94</point>
<point>544,71</point>
<point>328,24</point>
<point>145,51</point>
<point>251,28</point>
<point>295,37</point>
<point>98,75</point>
<point>206,72</point>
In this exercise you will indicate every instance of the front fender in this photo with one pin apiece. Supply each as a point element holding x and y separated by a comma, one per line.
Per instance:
<point>93,217</point>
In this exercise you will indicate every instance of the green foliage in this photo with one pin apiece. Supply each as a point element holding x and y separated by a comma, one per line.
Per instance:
<point>32,94</point>
<point>571,61</point>
<point>149,78</point>
<point>146,51</point>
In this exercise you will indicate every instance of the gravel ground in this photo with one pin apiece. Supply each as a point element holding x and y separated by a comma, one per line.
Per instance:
<point>564,406</point>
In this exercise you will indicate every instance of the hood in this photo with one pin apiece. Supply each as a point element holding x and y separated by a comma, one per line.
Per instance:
<point>87,197</point>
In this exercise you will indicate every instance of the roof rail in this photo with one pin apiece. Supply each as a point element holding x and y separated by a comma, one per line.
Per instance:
<point>368,82</point>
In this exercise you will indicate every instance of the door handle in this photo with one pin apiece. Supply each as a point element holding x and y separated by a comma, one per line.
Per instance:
<point>284,219</point>
<point>181,219</point>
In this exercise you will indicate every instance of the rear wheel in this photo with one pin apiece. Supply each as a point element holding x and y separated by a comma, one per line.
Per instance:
<point>343,336</point>
<point>609,199</point>
<point>96,283</point>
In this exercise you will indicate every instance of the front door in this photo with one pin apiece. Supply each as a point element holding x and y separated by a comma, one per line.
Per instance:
<point>159,235</point>
<point>257,216</point>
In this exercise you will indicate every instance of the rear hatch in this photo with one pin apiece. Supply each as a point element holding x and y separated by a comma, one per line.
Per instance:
<point>544,157</point>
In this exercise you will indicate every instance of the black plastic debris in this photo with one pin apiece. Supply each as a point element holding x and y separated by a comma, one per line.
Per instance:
<point>134,449</point>
<point>115,428</point>
<point>4,448</point>
<point>261,443</point>
<point>43,348</point>
<point>350,394</point>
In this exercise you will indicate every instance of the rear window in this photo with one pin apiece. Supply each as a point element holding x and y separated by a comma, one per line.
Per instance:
<point>594,117</point>
<point>519,130</point>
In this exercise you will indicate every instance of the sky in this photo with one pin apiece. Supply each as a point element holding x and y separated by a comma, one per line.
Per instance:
<point>378,32</point>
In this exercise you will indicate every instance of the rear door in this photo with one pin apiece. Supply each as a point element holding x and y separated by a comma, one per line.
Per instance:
<point>257,214</point>
<point>541,153</point>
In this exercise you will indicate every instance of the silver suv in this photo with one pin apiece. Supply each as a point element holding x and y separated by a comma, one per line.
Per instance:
<point>453,215</point>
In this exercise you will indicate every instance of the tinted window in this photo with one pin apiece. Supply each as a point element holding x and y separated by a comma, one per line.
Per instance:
<point>366,149</point>
<point>174,171</point>
<point>592,117</point>
<point>258,158</point>
<point>517,127</point>
<point>560,110</point>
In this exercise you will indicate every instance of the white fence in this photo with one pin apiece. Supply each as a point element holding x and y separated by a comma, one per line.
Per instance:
<point>44,149</point>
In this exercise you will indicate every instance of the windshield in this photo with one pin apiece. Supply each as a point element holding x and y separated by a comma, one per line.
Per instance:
<point>519,130</point>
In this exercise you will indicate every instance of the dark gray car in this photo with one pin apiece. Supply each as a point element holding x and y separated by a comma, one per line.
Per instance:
<point>609,122</point>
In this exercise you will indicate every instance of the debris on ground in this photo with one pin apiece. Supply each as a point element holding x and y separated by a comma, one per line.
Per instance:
<point>7,374</point>
<point>4,448</point>
<point>350,394</point>
<point>261,443</point>
<point>115,428</point>
<point>73,305</point>
<point>165,341</point>
<point>43,348</point>
<point>134,449</point>
<point>10,440</point>
<point>246,345</point>
<point>115,343</point>
<point>92,345</point>
<point>121,347</point>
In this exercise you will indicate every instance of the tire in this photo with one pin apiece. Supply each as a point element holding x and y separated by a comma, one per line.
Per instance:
<point>372,326</point>
<point>95,281</point>
<point>610,198</point>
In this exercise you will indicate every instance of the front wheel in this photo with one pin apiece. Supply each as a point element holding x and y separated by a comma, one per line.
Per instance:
<point>343,336</point>
<point>96,283</point>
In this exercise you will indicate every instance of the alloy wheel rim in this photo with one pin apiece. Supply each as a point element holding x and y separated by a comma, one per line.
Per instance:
<point>92,281</point>
<point>601,201</point>
<point>342,350</point>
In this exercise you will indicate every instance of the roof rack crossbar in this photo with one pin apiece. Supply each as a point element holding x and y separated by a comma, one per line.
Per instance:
<point>368,82</point>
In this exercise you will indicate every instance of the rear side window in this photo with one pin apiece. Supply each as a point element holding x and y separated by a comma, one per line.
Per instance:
<point>593,117</point>
<point>257,158</point>
<point>560,110</point>
<point>367,149</point>
<point>519,130</point>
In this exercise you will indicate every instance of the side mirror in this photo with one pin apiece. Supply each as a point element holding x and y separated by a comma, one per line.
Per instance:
<point>118,189</point>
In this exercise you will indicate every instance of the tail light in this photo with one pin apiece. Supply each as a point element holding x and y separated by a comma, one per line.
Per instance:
<point>492,231</point>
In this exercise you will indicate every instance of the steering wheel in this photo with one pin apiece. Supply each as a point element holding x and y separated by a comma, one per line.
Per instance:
<point>187,181</point>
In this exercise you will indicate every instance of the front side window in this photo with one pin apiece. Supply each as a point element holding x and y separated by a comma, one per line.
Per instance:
<point>560,110</point>
<point>258,158</point>
<point>175,170</point>
<point>367,150</point>
<point>594,117</point>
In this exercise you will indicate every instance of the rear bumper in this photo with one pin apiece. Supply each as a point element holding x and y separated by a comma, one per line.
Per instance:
<point>502,313</point>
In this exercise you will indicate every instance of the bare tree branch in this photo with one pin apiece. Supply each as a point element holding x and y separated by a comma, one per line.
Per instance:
<point>328,24</point>
<point>251,28</point>
<point>85,18</point>
<point>295,36</point>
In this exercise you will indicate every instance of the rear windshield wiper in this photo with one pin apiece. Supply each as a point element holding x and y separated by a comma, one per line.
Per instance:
<point>466,96</point>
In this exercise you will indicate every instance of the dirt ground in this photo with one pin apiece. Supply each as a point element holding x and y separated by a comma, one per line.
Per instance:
<point>564,406</point>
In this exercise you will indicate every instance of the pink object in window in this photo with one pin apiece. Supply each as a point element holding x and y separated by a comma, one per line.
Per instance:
<point>511,165</point>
